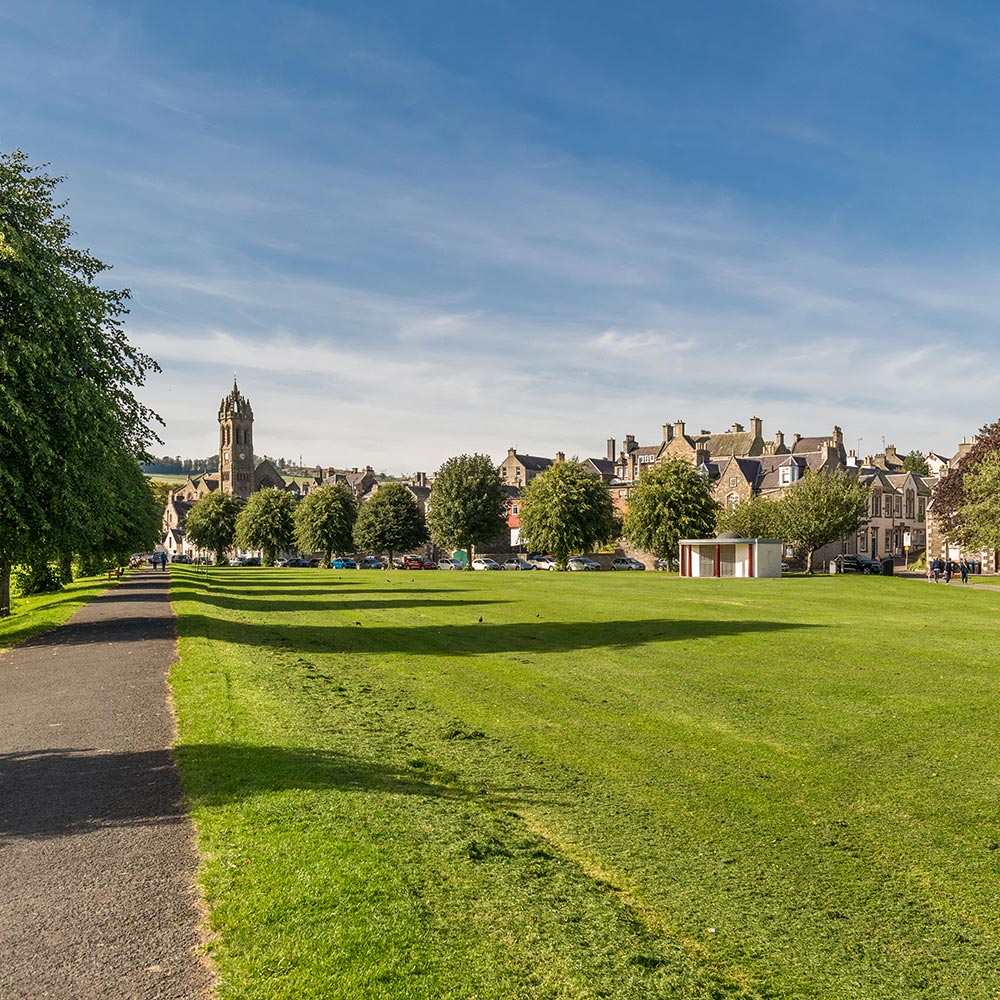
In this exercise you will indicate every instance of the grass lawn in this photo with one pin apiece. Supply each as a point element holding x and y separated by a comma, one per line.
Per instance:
<point>614,785</point>
<point>42,612</point>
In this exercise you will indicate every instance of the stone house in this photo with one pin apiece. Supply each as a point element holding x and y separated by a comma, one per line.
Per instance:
<point>518,470</point>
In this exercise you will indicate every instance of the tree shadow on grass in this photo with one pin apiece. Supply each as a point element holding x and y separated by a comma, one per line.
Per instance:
<point>476,637</point>
<point>336,603</point>
<point>63,792</point>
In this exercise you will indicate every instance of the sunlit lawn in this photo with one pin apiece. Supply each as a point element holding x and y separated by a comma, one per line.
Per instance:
<point>41,612</point>
<point>614,785</point>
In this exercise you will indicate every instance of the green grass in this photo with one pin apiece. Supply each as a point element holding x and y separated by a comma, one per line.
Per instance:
<point>42,612</point>
<point>615,785</point>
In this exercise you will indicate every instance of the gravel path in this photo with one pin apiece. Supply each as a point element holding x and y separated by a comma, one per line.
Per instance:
<point>97,859</point>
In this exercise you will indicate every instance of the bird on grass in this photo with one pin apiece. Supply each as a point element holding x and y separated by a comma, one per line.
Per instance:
<point>480,618</point>
<point>355,623</point>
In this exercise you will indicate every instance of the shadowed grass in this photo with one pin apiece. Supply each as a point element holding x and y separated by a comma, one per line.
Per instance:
<point>611,786</point>
<point>42,612</point>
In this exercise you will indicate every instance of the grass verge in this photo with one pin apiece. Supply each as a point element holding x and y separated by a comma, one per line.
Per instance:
<point>536,785</point>
<point>42,612</point>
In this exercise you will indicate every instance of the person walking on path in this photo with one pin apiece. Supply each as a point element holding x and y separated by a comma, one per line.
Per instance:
<point>163,560</point>
<point>948,568</point>
<point>937,567</point>
<point>930,573</point>
<point>964,566</point>
<point>97,894</point>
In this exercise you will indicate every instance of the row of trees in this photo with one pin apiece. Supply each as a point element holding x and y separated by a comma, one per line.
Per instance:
<point>564,510</point>
<point>327,520</point>
<point>71,430</point>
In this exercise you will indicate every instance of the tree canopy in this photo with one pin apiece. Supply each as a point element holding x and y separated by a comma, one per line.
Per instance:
<point>267,522</point>
<point>467,503</point>
<point>324,520</point>
<point>566,510</point>
<point>671,501</point>
<point>977,519</point>
<point>822,507</point>
<point>948,495</point>
<point>916,462</point>
<point>69,422</point>
<point>211,523</point>
<point>391,521</point>
<point>754,517</point>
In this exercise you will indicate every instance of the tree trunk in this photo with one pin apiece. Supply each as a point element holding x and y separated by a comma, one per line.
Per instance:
<point>809,561</point>
<point>4,590</point>
<point>391,565</point>
<point>468,555</point>
<point>66,569</point>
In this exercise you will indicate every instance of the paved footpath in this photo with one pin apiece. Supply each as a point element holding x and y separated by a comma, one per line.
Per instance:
<point>97,859</point>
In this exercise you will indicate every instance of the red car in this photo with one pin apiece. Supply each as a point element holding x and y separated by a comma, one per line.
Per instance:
<point>413,562</point>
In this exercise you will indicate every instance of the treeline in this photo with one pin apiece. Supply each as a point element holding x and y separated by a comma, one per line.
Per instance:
<point>175,465</point>
<point>71,430</point>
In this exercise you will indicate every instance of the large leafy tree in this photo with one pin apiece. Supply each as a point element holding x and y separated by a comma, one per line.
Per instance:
<point>67,374</point>
<point>211,523</point>
<point>566,509</point>
<point>324,520</point>
<point>916,462</point>
<point>977,521</point>
<point>822,507</point>
<point>948,496</point>
<point>467,504</point>
<point>671,501</point>
<point>267,522</point>
<point>754,517</point>
<point>391,521</point>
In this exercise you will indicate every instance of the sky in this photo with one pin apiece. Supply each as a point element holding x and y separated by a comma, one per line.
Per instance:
<point>416,230</point>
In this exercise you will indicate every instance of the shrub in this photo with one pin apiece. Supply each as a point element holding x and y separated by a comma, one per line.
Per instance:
<point>40,579</point>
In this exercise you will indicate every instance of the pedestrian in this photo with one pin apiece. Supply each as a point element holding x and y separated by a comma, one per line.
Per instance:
<point>930,572</point>
<point>948,567</point>
<point>964,566</point>
<point>152,561</point>
<point>936,567</point>
<point>163,560</point>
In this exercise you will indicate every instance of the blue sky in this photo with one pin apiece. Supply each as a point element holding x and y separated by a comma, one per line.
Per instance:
<point>416,230</point>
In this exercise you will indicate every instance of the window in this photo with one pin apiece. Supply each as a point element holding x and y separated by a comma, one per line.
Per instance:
<point>786,475</point>
<point>513,509</point>
<point>899,505</point>
<point>862,541</point>
<point>909,505</point>
<point>888,539</point>
<point>887,509</point>
<point>921,507</point>
<point>733,501</point>
<point>503,471</point>
<point>732,481</point>
<point>876,503</point>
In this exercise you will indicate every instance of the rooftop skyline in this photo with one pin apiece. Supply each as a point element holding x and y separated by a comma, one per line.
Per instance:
<point>416,232</point>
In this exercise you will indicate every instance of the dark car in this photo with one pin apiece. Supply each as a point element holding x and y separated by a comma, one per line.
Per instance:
<point>298,562</point>
<point>858,564</point>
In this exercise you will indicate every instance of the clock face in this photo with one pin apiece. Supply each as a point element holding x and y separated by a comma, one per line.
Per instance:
<point>242,456</point>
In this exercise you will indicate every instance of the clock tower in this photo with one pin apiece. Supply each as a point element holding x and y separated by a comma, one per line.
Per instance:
<point>236,444</point>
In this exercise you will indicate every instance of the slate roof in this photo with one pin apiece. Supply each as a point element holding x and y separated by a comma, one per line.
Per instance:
<point>534,463</point>
<point>729,443</point>
<point>809,444</point>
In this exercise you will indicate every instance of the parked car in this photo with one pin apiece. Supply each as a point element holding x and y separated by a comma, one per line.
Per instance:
<point>485,563</point>
<point>662,564</point>
<point>447,563</point>
<point>252,561</point>
<point>516,563</point>
<point>413,562</point>
<point>578,563</point>
<point>370,562</point>
<point>315,561</point>
<point>180,558</point>
<point>238,561</point>
<point>543,562</point>
<point>430,564</point>
<point>858,564</point>
<point>343,562</point>
<point>298,562</point>
<point>626,563</point>
<point>397,563</point>
<point>283,561</point>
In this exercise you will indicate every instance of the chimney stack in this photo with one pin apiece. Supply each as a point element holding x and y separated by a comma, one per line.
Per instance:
<point>779,441</point>
<point>560,456</point>
<point>611,449</point>
<point>796,438</point>
<point>678,428</point>
<point>757,427</point>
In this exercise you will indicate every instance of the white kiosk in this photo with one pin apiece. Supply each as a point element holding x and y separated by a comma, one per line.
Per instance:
<point>730,557</point>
